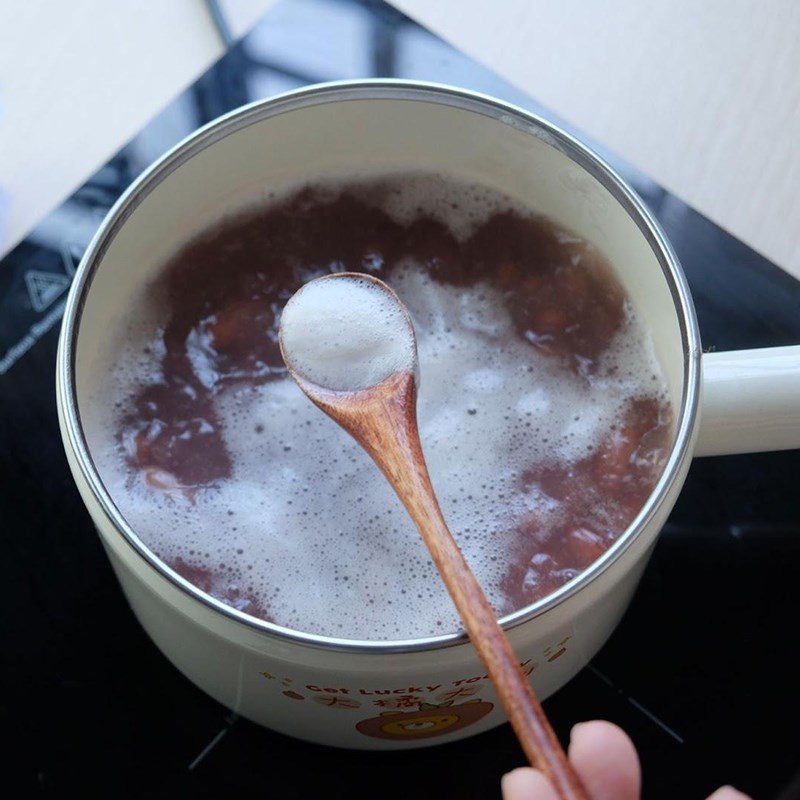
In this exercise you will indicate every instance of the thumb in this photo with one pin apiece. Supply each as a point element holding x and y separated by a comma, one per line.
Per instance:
<point>527,783</point>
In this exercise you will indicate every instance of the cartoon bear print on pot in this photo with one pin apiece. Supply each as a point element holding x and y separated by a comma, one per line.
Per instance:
<point>430,720</point>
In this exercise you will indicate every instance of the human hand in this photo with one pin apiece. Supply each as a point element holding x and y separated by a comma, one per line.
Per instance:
<point>606,761</point>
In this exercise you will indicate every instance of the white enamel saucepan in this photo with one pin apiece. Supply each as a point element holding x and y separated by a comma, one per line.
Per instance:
<point>399,694</point>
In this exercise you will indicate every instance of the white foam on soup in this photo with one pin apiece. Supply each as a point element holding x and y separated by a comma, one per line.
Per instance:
<point>310,528</point>
<point>346,333</point>
<point>461,210</point>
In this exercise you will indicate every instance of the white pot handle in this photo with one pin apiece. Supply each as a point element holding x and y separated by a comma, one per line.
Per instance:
<point>751,401</point>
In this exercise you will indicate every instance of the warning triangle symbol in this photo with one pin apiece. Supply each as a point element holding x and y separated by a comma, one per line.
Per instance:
<point>44,287</point>
<point>71,255</point>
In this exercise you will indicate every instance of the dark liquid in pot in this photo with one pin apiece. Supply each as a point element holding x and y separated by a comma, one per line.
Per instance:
<point>513,296</point>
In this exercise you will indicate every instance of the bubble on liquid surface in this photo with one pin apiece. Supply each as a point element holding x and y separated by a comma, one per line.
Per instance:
<point>346,333</point>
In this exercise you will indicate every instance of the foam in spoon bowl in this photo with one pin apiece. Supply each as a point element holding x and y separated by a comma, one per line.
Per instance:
<point>347,332</point>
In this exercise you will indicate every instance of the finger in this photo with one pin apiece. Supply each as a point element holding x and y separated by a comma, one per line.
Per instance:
<point>606,761</point>
<point>526,783</point>
<point>728,793</point>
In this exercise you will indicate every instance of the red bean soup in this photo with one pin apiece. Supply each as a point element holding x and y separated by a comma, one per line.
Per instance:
<point>543,410</point>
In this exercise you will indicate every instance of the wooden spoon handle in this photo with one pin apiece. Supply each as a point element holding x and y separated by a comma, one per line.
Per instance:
<point>522,707</point>
<point>385,425</point>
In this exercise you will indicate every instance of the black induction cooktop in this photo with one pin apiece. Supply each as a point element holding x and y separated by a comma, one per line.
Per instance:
<point>703,671</point>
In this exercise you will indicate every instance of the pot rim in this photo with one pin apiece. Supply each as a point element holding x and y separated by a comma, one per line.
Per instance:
<point>380,89</point>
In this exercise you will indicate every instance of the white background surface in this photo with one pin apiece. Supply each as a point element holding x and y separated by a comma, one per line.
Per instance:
<point>703,96</point>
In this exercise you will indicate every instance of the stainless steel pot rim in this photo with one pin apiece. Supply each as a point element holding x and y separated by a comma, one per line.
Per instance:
<point>399,90</point>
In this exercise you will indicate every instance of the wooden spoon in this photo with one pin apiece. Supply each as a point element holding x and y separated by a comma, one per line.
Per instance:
<point>383,420</point>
